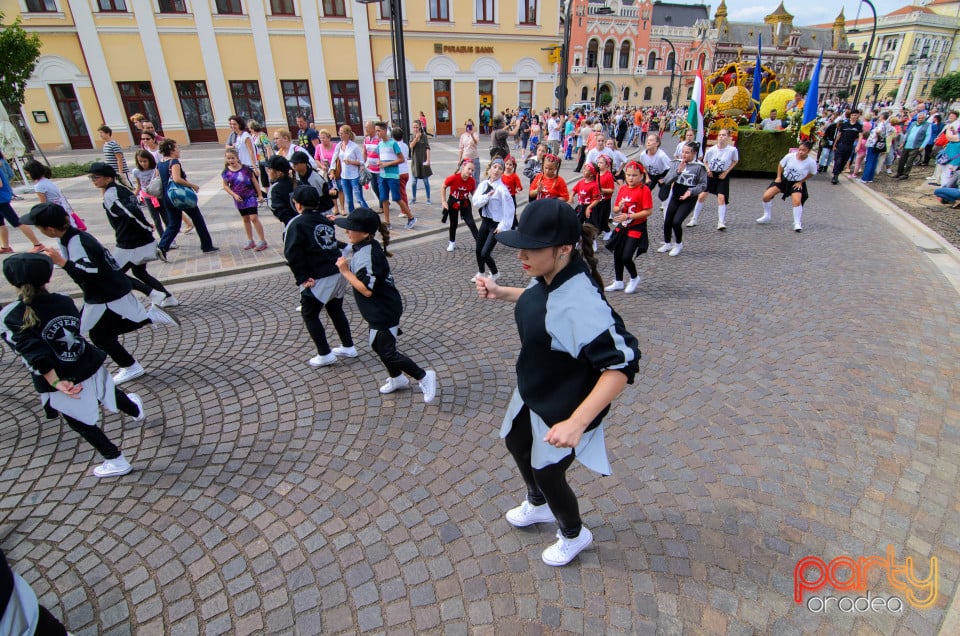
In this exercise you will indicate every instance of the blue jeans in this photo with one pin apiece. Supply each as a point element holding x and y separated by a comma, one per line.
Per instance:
<point>950,195</point>
<point>870,165</point>
<point>426,186</point>
<point>351,189</point>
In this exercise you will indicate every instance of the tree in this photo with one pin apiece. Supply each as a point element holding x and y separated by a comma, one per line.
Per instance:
<point>892,94</point>
<point>947,87</point>
<point>19,51</point>
<point>802,87</point>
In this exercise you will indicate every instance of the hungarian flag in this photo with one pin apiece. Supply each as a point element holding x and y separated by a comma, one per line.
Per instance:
<point>695,109</point>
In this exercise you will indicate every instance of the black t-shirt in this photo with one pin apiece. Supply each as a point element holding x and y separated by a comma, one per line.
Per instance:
<point>847,133</point>
<point>384,308</point>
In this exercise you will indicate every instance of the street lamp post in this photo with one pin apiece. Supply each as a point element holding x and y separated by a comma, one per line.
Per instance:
<point>866,61</point>
<point>399,60</point>
<point>596,95</point>
<point>565,55</point>
<point>673,66</point>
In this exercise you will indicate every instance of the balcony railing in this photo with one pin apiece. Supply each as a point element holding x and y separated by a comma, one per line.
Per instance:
<point>581,70</point>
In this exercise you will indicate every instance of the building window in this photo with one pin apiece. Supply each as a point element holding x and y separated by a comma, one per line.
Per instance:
<point>247,103</point>
<point>648,93</point>
<point>42,6</point>
<point>112,6</point>
<point>702,61</point>
<point>671,61</point>
<point>592,48</point>
<point>439,10</point>
<point>626,93</point>
<point>652,60</point>
<point>485,11</point>
<point>229,7</point>
<point>525,99</point>
<point>608,54</point>
<point>296,101</point>
<point>282,7</point>
<point>528,12</point>
<point>666,94</point>
<point>334,9</point>
<point>385,10</point>
<point>345,97</point>
<point>172,6</point>
<point>624,55</point>
<point>583,94</point>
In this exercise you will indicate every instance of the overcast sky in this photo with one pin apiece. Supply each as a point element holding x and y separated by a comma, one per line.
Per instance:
<point>804,11</point>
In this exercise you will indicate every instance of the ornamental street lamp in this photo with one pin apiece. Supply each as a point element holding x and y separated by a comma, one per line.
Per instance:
<point>672,72</point>
<point>565,55</point>
<point>866,61</point>
<point>399,59</point>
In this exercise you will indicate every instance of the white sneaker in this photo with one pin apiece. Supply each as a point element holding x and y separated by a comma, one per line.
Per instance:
<point>721,227</point>
<point>632,285</point>
<point>322,361</point>
<point>616,285</point>
<point>170,301</point>
<point>676,249</point>
<point>476,276</point>
<point>565,550</point>
<point>452,245</point>
<point>126,374</point>
<point>606,236</point>
<point>764,219</point>
<point>494,276</point>
<point>133,397</point>
<point>299,307</point>
<point>797,227</point>
<point>692,223</point>
<point>527,514</point>
<point>344,352</point>
<point>666,247</point>
<point>113,467</point>
<point>159,317</point>
<point>395,384</point>
<point>429,386</point>
<point>157,297</point>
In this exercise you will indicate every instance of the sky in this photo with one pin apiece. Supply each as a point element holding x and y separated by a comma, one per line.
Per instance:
<point>804,11</point>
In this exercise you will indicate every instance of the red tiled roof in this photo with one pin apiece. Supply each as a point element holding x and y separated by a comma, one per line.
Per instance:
<point>910,8</point>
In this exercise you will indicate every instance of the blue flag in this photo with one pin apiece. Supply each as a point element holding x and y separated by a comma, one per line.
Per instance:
<point>757,80</point>
<point>810,106</point>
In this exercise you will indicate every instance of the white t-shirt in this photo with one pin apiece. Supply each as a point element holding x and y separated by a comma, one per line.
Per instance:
<point>657,164</point>
<point>405,166</point>
<point>720,159</point>
<point>351,152</point>
<point>770,124</point>
<point>553,129</point>
<point>795,170</point>
<point>243,152</point>
<point>52,192</point>
<point>596,152</point>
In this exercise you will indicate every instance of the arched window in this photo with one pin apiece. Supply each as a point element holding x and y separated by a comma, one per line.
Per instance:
<point>647,93</point>
<point>583,94</point>
<point>652,60</point>
<point>666,94</point>
<point>626,93</point>
<point>670,61</point>
<point>592,48</point>
<point>624,55</point>
<point>702,61</point>
<point>608,54</point>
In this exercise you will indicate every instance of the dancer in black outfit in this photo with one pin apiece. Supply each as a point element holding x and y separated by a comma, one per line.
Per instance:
<point>687,178</point>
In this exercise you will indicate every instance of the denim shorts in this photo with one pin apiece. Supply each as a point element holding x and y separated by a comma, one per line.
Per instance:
<point>389,188</point>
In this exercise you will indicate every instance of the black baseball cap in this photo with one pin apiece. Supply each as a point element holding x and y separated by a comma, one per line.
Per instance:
<point>360,220</point>
<point>46,215</point>
<point>307,196</point>
<point>28,268</point>
<point>102,169</point>
<point>544,223</point>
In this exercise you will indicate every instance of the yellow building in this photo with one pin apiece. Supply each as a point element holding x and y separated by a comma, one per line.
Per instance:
<point>190,64</point>
<point>914,46</point>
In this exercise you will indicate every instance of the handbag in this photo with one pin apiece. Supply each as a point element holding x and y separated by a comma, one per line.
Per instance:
<point>943,158</point>
<point>364,177</point>
<point>155,187</point>
<point>941,139</point>
<point>881,145</point>
<point>182,197</point>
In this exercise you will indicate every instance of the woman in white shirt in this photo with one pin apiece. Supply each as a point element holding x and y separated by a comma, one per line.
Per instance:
<point>468,146</point>
<point>286,147</point>
<point>349,156</point>
<point>496,207</point>
<point>243,143</point>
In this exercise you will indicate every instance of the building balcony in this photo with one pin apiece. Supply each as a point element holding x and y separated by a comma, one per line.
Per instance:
<point>592,70</point>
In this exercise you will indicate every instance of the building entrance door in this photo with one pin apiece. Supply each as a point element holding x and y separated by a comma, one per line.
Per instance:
<point>485,88</point>
<point>197,112</point>
<point>442,107</point>
<point>137,97</point>
<point>72,117</point>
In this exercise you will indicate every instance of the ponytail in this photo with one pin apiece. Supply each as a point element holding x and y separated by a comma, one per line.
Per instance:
<point>588,234</point>
<point>385,236</point>
<point>27,293</point>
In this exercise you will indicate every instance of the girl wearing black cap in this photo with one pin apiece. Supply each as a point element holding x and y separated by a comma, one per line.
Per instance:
<point>311,249</point>
<point>575,358</point>
<point>281,187</point>
<point>379,301</point>
<point>68,372</point>
<point>109,307</point>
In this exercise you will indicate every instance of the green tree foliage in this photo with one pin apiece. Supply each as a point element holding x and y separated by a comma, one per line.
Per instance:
<point>842,94</point>
<point>947,88</point>
<point>802,87</point>
<point>19,51</point>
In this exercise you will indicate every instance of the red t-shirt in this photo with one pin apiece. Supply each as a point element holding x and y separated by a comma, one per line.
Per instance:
<point>555,188</point>
<point>587,192</point>
<point>512,181</point>
<point>607,183</point>
<point>633,200</point>
<point>460,188</point>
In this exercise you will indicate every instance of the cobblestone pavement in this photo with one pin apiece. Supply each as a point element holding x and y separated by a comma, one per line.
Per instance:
<point>797,396</point>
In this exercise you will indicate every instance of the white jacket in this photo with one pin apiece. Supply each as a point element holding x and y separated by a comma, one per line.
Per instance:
<point>493,200</point>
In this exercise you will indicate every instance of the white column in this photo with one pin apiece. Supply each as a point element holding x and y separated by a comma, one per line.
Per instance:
<point>915,84</point>
<point>322,112</point>
<point>898,102</point>
<point>160,78</point>
<point>361,40</point>
<point>210,55</point>
<point>110,106</point>
<point>273,110</point>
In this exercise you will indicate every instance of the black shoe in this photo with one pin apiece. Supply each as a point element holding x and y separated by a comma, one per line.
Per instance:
<point>211,250</point>
<point>835,180</point>
<point>903,177</point>
<point>162,254</point>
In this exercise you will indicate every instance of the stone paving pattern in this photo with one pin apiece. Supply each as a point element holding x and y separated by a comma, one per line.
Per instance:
<point>797,396</point>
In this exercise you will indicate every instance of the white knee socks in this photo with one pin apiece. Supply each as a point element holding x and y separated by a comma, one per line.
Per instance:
<point>697,209</point>
<point>768,209</point>
<point>722,214</point>
<point>797,213</point>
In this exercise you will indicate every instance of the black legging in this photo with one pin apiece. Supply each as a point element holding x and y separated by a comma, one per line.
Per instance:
<point>466,213</point>
<point>581,158</point>
<point>385,346</point>
<point>95,436</point>
<point>623,256</point>
<point>601,215</point>
<point>142,281</point>
<point>677,211</point>
<point>106,335</point>
<point>546,485</point>
<point>310,312</point>
<point>486,241</point>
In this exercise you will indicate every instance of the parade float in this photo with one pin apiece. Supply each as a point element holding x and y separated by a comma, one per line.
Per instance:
<point>729,105</point>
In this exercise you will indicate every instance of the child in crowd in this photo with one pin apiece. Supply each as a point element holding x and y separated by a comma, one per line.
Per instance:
<point>455,194</point>
<point>634,205</point>
<point>549,184</point>
<point>495,206</point>
<point>378,300</point>
<point>586,194</point>
<point>243,186</point>
<point>143,175</point>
